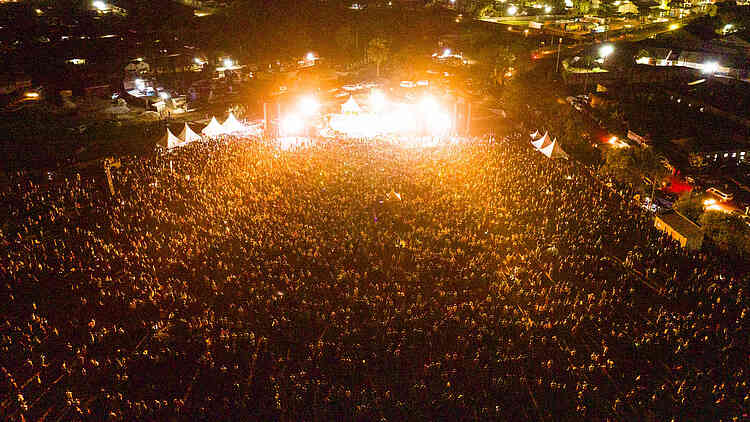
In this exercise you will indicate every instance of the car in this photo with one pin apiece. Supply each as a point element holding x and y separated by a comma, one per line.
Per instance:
<point>720,194</point>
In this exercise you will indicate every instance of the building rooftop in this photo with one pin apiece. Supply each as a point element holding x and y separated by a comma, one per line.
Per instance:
<point>680,224</point>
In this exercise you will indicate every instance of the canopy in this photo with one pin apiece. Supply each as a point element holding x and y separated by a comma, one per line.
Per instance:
<point>169,141</point>
<point>553,150</point>
<point>350,106</point>
<point>231,124</point>
<point>535,135</point>
<point>187,135</point>
<point>541,142</point>
<point>213,129</point>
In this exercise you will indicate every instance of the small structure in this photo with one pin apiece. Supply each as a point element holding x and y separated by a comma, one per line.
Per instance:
<point>688,234</point>
<point>213,129</point>
<point>187,135</point>
<point>169,141</point>
<point>542,142</point>
<point>232,125</point>
<point>350,106</point>
<point>553,151</point>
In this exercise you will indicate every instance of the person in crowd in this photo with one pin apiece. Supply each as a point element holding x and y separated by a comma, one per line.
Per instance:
<point>234,279</point>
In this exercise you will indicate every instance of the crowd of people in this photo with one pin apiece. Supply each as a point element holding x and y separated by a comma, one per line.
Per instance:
<point>348,279</point>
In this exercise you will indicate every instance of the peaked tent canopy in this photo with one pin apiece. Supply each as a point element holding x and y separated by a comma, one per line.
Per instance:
<point>535,135</point>
<point>231,124</point>
<point>541,142</point>
<point>213,129</point>
<point>169,141</point>
<point>351,106</point>
<point>553,150</point>
<point>187,135</point>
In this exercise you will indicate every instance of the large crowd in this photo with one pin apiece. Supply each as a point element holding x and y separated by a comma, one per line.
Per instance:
<point>234,280</point>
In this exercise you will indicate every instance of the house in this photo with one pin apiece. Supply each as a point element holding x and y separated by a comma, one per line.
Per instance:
<point>688,234</point>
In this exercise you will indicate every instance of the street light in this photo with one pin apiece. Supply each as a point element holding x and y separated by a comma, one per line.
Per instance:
<point>606,50</point>
<point>512,10</point>
<point>547,9</point>
<point>228,62</point>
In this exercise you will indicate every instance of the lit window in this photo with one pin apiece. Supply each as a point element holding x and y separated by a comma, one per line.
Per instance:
<point>734,155</point>
<point>726,154</point>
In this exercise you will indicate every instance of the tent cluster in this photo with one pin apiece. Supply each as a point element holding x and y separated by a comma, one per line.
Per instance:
<point>214,129</point>
<point>547,146</point>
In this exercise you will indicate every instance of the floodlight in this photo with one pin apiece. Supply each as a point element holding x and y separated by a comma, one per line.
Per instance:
<point>308,105</point>
<point>710,67</point>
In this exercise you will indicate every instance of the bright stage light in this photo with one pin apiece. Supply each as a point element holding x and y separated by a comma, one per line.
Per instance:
<point>292,124</point>
<point>308,106</point>
<point>428,104</point>
<point>439,123</point>
<point>377,100</point>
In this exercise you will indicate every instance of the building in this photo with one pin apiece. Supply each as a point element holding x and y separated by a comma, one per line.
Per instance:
<point>688,234</point>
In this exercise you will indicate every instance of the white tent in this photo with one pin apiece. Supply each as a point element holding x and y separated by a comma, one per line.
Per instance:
<point>541,142</point>
<point>169,141</point>
<point>553,150</point>
<point>213,129</point>
<point>187,135</point>
<point>350,106</point>
<point>231,124</point>
<point>535,135</point>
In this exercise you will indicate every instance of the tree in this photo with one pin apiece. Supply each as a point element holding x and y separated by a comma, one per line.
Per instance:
<point>378,51</point>
<point>696,160</point>
<point>650,164</point>
<point>406,61</point>
<point>619,163</point>
<point>582,6</point>
<point>497,60</point>
<point>504,61</point>
<point>607,9</point>
<point>346,39</point>
<point>727,230</point>
<point>629,165</point>
<point>690,205</point>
